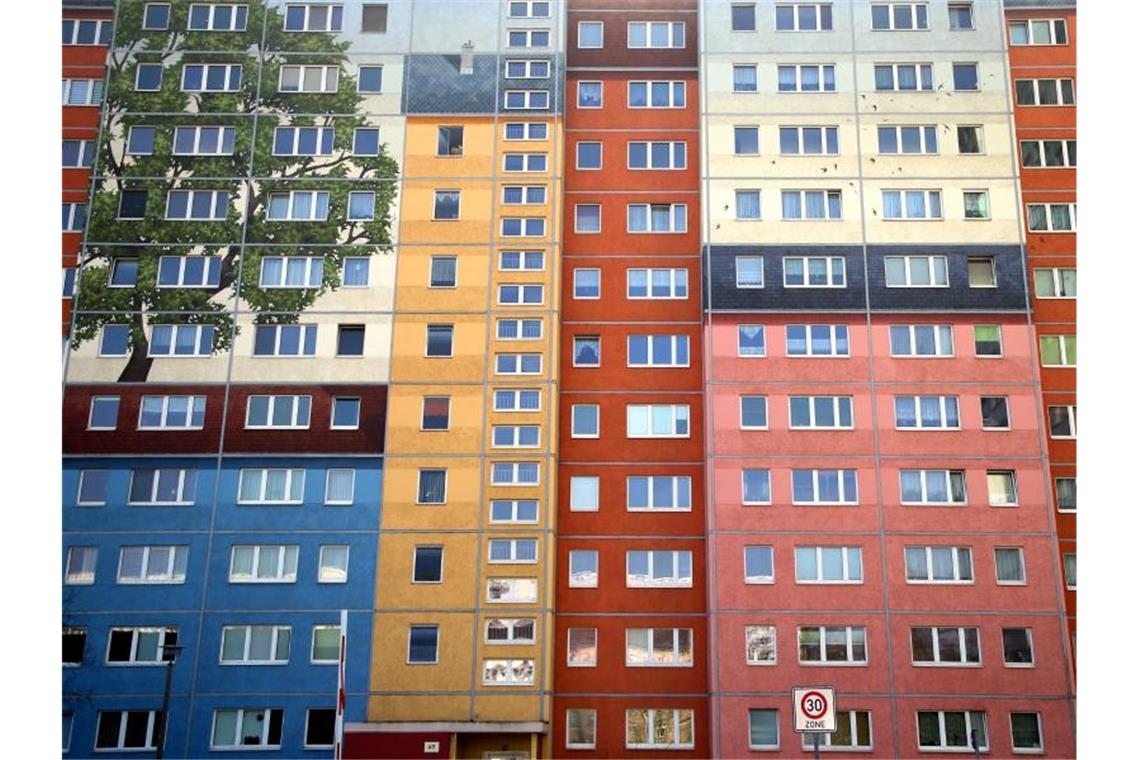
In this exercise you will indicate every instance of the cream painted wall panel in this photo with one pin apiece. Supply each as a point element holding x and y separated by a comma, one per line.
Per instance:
<point>85,366</point>
<point>717,31</point>
<point>718,80</point>
<point>325,366</point>
<point>376,297</point>
<point>986,34</point>
<point>726,229</point>
<point>394,39</point>
<point>994,161</point>
<point>991,97</point>
<point>771,163</point>
<point>954,228</point>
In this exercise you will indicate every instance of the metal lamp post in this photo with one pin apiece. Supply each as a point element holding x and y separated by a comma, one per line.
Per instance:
<point>169,654</point>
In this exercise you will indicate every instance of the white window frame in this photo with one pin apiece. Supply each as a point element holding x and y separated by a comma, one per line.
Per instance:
<point>674,343</point>
<point>1061,348</point>
<point>673,228</point>
<point>918,76</point>
<point>924,133</point>
<point>300,415</point>
<point>526,226</point>
<point>582,568</point>
<point>525,194</point>
<point>246,631</point>
<point>815,472</point>
<point>1049,217</point>
<point>515,545</point>
<point>969,715</point>
<point>681,485</point>
<point>676,415</point>
<point>76,556</point>
<point>836,271</point>
<point>959,578</point>
<point>83,148</point>
<point>504,591</point>
<point>930,198</point>
<point>518,364</point>
<point>828,196</point>
<point>517,672</point>
<point>516,473</point>
<point>525,292</point>
<point>532,68</point>
<point>1068,162</point>
<point>678,280</point>
<point>673,104</point>
<point>941,661</point>
<point>330,79</point>
<point>532,37</point>
<point>1011,475</point>
<point>518,329</point>
<point>166,423</point>
<point>850,633</point>
<point>196,150</point>
<point>925,476</point>
<point>824,132</point>
<point>650,661</point>
<point>73,38</point>
<point>1058,89</point>
<point>215,197</point>
<point>821,76</point>
<point>676,580</point>
<point>211,272</point>
<point>673,39</point>
<point>752,352</point>
<point>796,17</point>
<point>836,409</point>
<point>913,17</point>
<point>1031,39</point>
<point>931,269</point>
<point>200,332</point>
<point>352,488</point>
<point>516,400</point>
<point>120,744</point>
<point>1070,412</point>
<point>851,718</point>
<point>846,553</point>
<point>759,631</point>
<point>307,333</point>
<point>673,164</point>
<point>516,436</point>
<point>809,342</point>
<point>527,160</point>
<point>744,486</point>
<point>513,628</point>
<point>91,94</point>
<point>597,420</point>
<point>515,505</point>
<point>169,577</point>
<point>187,486</point>
<point>601,94</point>
<point>941,351</point>
<point>764,400</point>
<point>528,127</point>
<point>593,482</point>
<point>239,722</point>
<point>651,721</point>
<point>294,477</point>
<point>601,35</point>
<point>136,633</point>
<point>283,551</point>
<point>749,282</point>
<point>1056,276</point>
<point>531,9</point>
<point>943,410</point>
<point>213,24</point>
<point>1024,580</point>
<point>229,71</point>
<point>532,100</point>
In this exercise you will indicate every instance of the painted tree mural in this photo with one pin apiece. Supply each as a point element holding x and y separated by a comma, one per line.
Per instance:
<point>141,168</point>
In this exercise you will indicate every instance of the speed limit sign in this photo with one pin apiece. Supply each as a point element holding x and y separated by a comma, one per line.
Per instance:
<point>814,708</point>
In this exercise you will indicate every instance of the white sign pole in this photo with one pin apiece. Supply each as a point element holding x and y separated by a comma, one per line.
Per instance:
<point>814,711</point>
<point>338,731</point>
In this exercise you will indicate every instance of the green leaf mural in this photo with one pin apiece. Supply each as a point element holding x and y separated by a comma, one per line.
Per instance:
<point>241,233</point>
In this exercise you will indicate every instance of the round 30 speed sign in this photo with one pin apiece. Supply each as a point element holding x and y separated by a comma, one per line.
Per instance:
<point>814,709</point>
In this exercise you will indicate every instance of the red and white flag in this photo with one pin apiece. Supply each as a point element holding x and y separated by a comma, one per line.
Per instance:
<point>338,740</point>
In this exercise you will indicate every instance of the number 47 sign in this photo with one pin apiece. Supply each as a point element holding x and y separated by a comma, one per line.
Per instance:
<point>814,708</point>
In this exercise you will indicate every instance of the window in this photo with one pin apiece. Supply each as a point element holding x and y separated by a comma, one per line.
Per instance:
<point>965,76</point>
<point>247,727</point>
<point>824,487</point>
<point>278,411</point>
<point>126,729</point>
<point>312,79</point>
<point>926,412</point>
<point>1049,153</point>
<point>987,340</point>
<point>909,139</point>
<point>944,646</point>
<point>82,92</point>
<point>74,642</point>
<point>744,17</point>
<point>518,329</point>
<point>832,645</point>
<point>758,564</point>
<point>746,141</point>
<point>744,78</point>
<point>320,725</point>
<point>140,141</point>
<point>1070,567</point>
<point>995,412</point>
<point>584,420</point>
<point>181,340</point>
<point>132,204</point>
<point>750,340</point>
<point>172,412</point>
<point>753,412</point>
<point>1002,488</point>
<point>932,486</point>
<point>587,283</point>
<point>809,141</point>
<point>104,413</point>
<point>525,195</point>
<point>655,569</point>
<point>92,488</point>
<point>438,340</point>
<point>527,295</point>
<point>589,155</point>
<point>213,77</point>
<point>271,486</point>
<point>514,473</point>
<point>526,99</point>
<point>1058,350</point>
<point>333,564</point>
<point>816,340</point>
<point>820,412</point>
<point>899,16</point>
<point>581,727</point>
<point>139,646</point>
<point>962,15</point>
<point>217,18</point>
<point>657,420</point>
<point>749,271</point>
<point>812,204</point>
<point>904,77</point>
<point>852,731</point>
<point>1044,92</point>
<point>263,563</point>
<point>516,511</point>
<point>515,436</point>
<point>115,340</point>
<point>815,272</point>
<point>1055,282</point>
<point>657,283</point>
<point>517,400</point>
<point>659,647</point>
<point>528,38</point>
<point>976,204</point>
<point>587,218</point>
<point>952,730</point>
<point>939,564</point>
<point>970,140</point>
<point>587,351</point>
<point>1017,647</point>
<point>508,672</point>
<point>432,487</point>
<point>81,564</point>
<point>370,79</point>
<point>204,141</point>
<point>365,141</point>
<point>1026,728</point>
<point>915,271</point>
<point>921,340</point>
<point>148,77</point>
<point>291,271</point>
<point>803,17</point>
<point>658,350</point>
<point>345,413</point>
<point>657,94</point>
<point>446,205</point>
<point>374,18</point>
<point>285,340</point>
<point>152,564</point>
<point>340,485</point>
<point>442,273</point>
<point>160,487</point>
<point>583,568</point>
<point>1009,563</point>
<point>748,205</point>
<point>658,729</point>
<point>427,564</point>
<point>208,205</point>
<point>156,16</point>
<point>1052,217</point>
<point>764,725</point>
<point>756,487</point>
<point>589,94</point>
<point>79,154</point>
<point>436,413</point>
<point>525,130</point>
<point>656,155</point>
<point>350,340</point>
<point>518,364</point>
<point>760,644</point>
<point>584,493</point>
<point>189,271</point>
<point>509,631</point>
<point>806,77</point>
<point>829,564</point>
<point>361,206</point>
<point>1044,31</point>
<point>590,34</point>
<point>912,204</point>
<point>512,590</point>
<point>656,217</point>
<point>1066,494</point>
<point>658,493</point>
<point>529,9</point>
